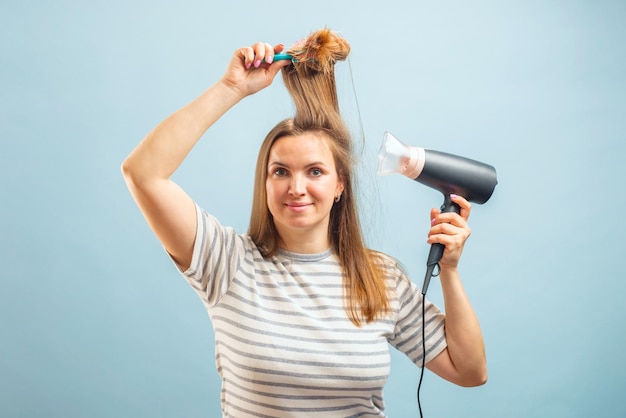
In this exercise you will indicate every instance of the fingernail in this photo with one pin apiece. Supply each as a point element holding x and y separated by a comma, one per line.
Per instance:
<point>257,63</point>
<point>432,221</point>
<point>452,195</point>
<point>269,60</point>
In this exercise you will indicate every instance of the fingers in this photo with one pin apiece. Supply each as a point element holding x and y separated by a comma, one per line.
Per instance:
<point>452,217</point>
<point>450,229</point>
<point>252,68</point>
<point>278,48</point>
<point>465,206</point>
<point>259,53</point>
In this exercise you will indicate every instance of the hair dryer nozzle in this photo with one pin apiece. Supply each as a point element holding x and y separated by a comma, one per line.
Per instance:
<point>396,157</point>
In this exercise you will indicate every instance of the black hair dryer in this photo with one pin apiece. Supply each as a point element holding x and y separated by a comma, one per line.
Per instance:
<point>450,174</point>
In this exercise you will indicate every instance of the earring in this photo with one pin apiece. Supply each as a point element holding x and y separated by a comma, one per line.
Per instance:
<point>338,198</point>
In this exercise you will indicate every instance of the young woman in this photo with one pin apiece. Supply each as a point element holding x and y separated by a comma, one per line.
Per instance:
<point>303,312</point>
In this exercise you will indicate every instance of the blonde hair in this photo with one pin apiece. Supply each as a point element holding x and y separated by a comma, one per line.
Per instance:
<point>311,82</point>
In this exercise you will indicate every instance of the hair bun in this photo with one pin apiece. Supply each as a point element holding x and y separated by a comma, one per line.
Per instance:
<point>319,51</point>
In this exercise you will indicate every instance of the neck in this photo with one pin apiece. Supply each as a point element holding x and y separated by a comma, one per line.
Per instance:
<point>303,244</point>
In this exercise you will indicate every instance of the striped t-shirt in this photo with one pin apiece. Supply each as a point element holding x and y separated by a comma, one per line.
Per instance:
<point>284,344</point>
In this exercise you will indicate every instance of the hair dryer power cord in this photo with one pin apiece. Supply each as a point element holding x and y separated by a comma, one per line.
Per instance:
<point>429,273</point>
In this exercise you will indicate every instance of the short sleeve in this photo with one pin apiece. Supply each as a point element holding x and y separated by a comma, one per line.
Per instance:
<point>217,253</point>
<point>407,336</point>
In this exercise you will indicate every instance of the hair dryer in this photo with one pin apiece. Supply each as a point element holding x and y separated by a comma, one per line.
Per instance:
<point>450,174</point>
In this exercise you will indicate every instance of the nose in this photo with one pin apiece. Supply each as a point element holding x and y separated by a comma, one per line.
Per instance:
<point>297,187</point>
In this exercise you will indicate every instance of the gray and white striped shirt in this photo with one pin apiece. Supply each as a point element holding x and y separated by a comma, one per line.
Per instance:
<point>285,346</point>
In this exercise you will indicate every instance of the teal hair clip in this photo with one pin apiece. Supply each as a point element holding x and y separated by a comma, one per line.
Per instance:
<point>284,57</point>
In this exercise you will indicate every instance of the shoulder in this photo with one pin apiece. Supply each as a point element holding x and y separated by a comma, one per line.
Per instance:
<point>213,239</point>
<point>211,225</point>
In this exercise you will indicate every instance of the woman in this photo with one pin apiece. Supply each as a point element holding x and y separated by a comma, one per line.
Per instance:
<point>303,313</point>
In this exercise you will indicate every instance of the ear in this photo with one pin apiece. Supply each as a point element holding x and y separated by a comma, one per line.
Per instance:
<point>340,187</point>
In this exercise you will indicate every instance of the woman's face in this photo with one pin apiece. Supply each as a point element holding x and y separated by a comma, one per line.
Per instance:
<point>302,184</point>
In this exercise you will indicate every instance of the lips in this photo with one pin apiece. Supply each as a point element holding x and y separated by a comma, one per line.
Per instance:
<point>297,206</point>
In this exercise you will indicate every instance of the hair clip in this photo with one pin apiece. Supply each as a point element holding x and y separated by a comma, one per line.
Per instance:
<point>284,57</point>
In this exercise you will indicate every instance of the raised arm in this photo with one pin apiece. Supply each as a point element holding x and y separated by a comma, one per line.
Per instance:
<point>463,362</point>
<point>169,211</point>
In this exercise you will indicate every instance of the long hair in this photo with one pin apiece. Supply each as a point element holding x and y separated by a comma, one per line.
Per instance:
<point>311,82</point>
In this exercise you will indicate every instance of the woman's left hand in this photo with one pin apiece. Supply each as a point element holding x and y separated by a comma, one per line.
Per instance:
<point>451,230</point>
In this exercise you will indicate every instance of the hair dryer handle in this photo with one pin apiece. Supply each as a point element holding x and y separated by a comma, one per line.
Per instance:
<point>436,250</point>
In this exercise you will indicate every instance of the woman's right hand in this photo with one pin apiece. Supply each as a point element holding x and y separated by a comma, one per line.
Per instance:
<point>252,68</point>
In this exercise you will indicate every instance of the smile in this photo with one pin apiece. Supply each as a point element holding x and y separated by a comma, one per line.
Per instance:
<point>297,206</point>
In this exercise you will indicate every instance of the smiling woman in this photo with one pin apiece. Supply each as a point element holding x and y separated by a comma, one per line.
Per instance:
<point>303,312</point>
<point>302,186</point>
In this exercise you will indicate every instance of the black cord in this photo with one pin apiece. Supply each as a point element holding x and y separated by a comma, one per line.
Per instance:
<point>419,385</point>
<point>430,272</point>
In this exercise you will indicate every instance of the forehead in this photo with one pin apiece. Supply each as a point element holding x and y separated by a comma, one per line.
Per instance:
<point>309,145</point>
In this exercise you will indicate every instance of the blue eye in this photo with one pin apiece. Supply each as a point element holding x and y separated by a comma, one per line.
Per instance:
<point>280,172</point>
<point>316,172</point>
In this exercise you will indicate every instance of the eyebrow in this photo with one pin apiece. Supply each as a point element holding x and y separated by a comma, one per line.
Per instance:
<point>313,164</point>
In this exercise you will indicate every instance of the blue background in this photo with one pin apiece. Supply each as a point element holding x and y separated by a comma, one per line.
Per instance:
<point>96,322</point>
